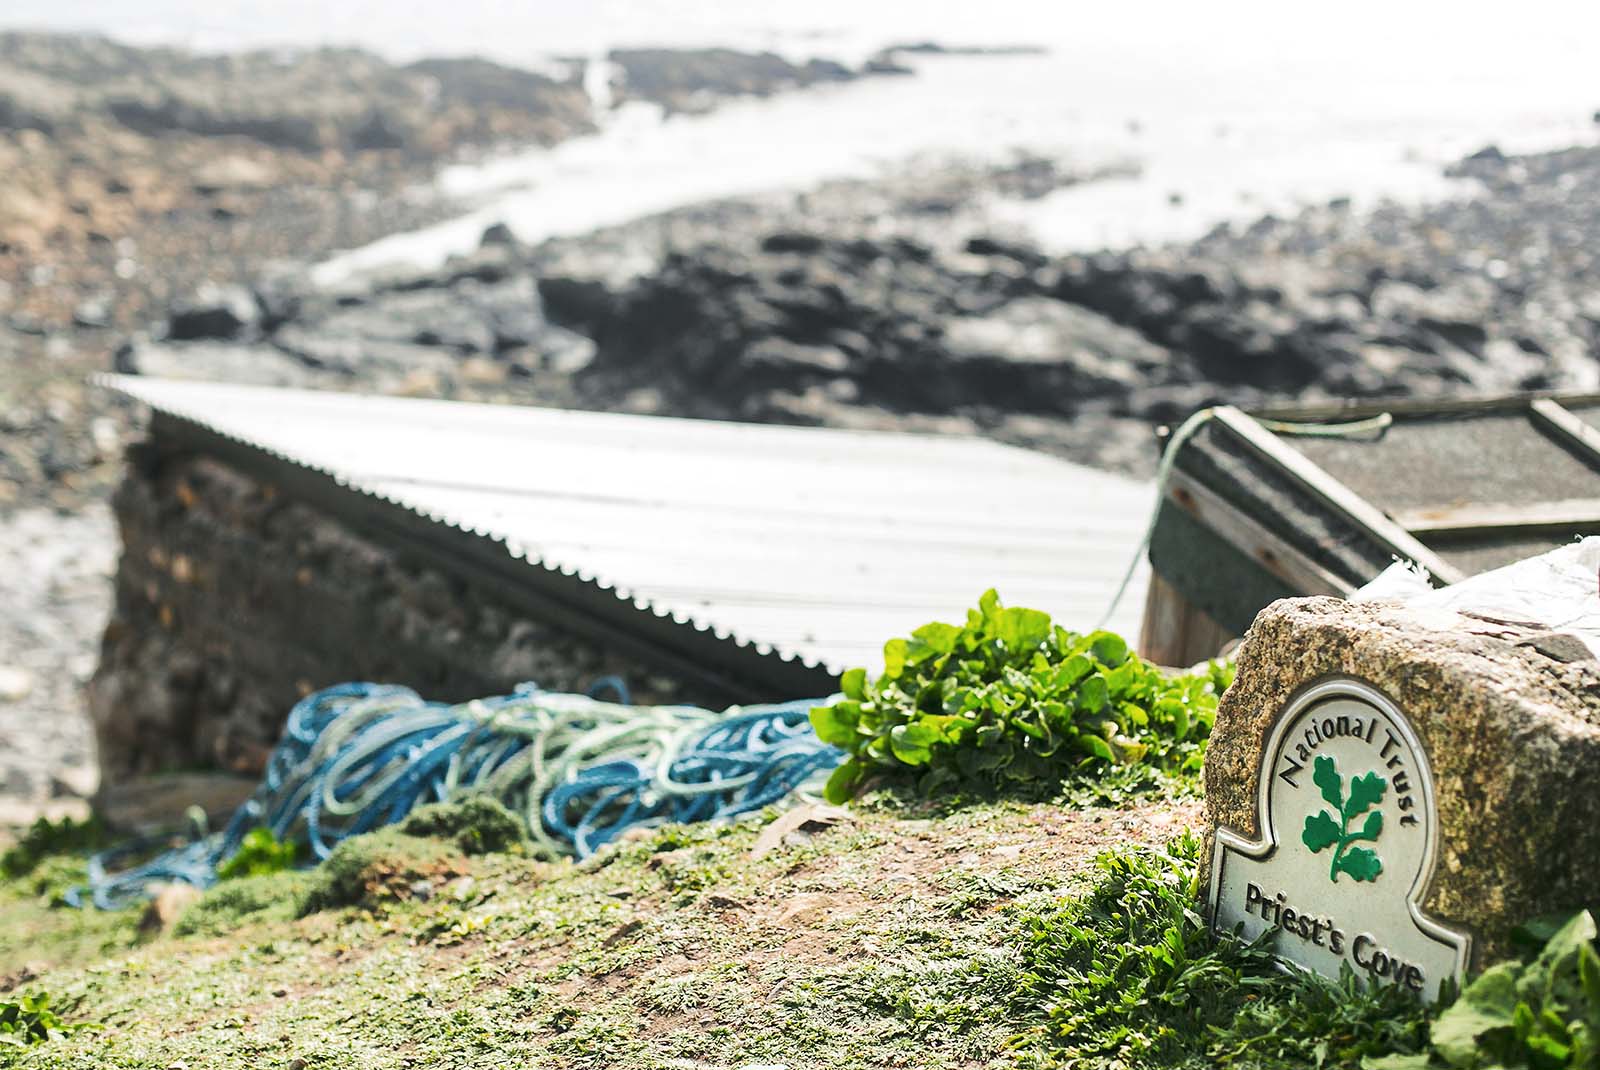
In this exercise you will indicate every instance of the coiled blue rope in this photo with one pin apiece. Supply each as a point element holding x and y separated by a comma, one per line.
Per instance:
<point>581,771</point>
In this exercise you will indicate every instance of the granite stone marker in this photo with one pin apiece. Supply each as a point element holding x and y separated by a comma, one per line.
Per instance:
<point>1350,840</point>
<point>1396,788</point>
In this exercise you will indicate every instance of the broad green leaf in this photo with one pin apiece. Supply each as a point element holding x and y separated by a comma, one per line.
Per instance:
<point>1109,648</point>
<point>989,605</point>
<point>836,724</point>
<point>1092,695</point>
<point>1096,747</point>
<point>939,636</point>
<point>1365,790</point>
<point>1072,670</point>
<point>842,785</point>
<point>1325,775</point>
<point>1360,863</point>
<point>1589,975</point>
<point>912,743</point>
<point>894,657</point>
<point>1128,750</point>
<point>1522,1021</point>
<point>1023,629</point>
<point>1555,972</point>
<point>854,684</point>
<point>1321,831</point>
<point>1547,1051</point>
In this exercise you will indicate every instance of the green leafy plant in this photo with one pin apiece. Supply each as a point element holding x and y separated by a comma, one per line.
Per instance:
<point>1543,1014</point>
<point>46,839</point>
<point>260,853</point>
<point>1324,830</point>
<point>28,1020</point>
<point>1009,698</point>
<point>1130,975</point>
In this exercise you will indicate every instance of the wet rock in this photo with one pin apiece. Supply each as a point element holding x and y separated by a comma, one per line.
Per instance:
<point>581,304</point>
<point>339,99</point>
<point>787,359</point>
<point>497,234</point>
<point>213,312</point>
<point>261,365</point>
<point>1039,352</point>
<point>684,79</point>
<point>92,313</point>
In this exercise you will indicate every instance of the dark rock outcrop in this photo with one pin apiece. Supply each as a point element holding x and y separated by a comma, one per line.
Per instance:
<point>686,79</point>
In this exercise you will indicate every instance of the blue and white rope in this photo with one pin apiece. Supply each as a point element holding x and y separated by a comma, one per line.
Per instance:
<point>581,771</point>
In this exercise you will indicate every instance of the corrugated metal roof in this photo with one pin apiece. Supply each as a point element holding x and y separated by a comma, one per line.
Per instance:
<point>808,545</point>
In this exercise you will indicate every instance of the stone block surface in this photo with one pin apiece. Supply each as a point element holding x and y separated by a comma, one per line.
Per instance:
<point>1512,736</point>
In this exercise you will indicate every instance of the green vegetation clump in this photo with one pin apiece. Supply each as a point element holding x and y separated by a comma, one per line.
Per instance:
<point>231,904</point>
<point>379,867</point>
<point>1129,975</point>
<point>476,824</point>
<point>1011,700</point>
<point>260,853</point>
<point>47,839</point>
<point>1543,1014</point>
<point>28,1020</point>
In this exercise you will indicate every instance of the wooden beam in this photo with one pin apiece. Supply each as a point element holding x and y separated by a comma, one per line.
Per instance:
<point>1415,407</point>
<point>1335,494</point>
<point>1175,633</point>
<point>1570,514</point>
<point>1566,428</point>
<point>1272,553</point>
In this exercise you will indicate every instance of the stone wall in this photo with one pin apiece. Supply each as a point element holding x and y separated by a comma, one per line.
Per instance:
<point>232,601</point>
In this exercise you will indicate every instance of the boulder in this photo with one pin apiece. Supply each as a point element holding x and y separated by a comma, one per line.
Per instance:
<point>1505,739</point>
<point>213,312</point>
<point>1040,352</point>
<point>259,365</point>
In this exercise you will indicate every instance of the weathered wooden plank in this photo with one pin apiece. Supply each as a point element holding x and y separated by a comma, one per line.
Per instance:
<point>1175,632</point>
<point>1565,427</point>
<point>1570,514</point>
<point>1335,494</point>
<point>1269,551</point>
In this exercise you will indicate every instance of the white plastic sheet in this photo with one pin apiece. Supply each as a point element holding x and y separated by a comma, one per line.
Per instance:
<point>1558,591</point>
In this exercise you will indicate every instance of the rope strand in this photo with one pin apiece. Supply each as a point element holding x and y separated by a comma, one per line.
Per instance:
<point>579,770</point>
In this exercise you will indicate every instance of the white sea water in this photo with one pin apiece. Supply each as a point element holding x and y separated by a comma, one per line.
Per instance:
<point>1233,109</point>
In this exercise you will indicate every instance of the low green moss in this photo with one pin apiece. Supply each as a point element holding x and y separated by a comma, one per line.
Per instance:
<point>231,904</point>
<point>380,867</point>
<point>51,839</point>
<point>997,935</point>
<point>476,824</point>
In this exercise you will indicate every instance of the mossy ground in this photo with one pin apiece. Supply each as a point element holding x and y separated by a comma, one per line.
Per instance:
<point>887,939</point>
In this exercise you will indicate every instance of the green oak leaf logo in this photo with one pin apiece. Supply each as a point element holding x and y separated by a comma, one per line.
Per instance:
<point>1324,830</point>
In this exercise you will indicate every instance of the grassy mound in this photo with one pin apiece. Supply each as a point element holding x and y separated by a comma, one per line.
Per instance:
<point>382,867</point>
